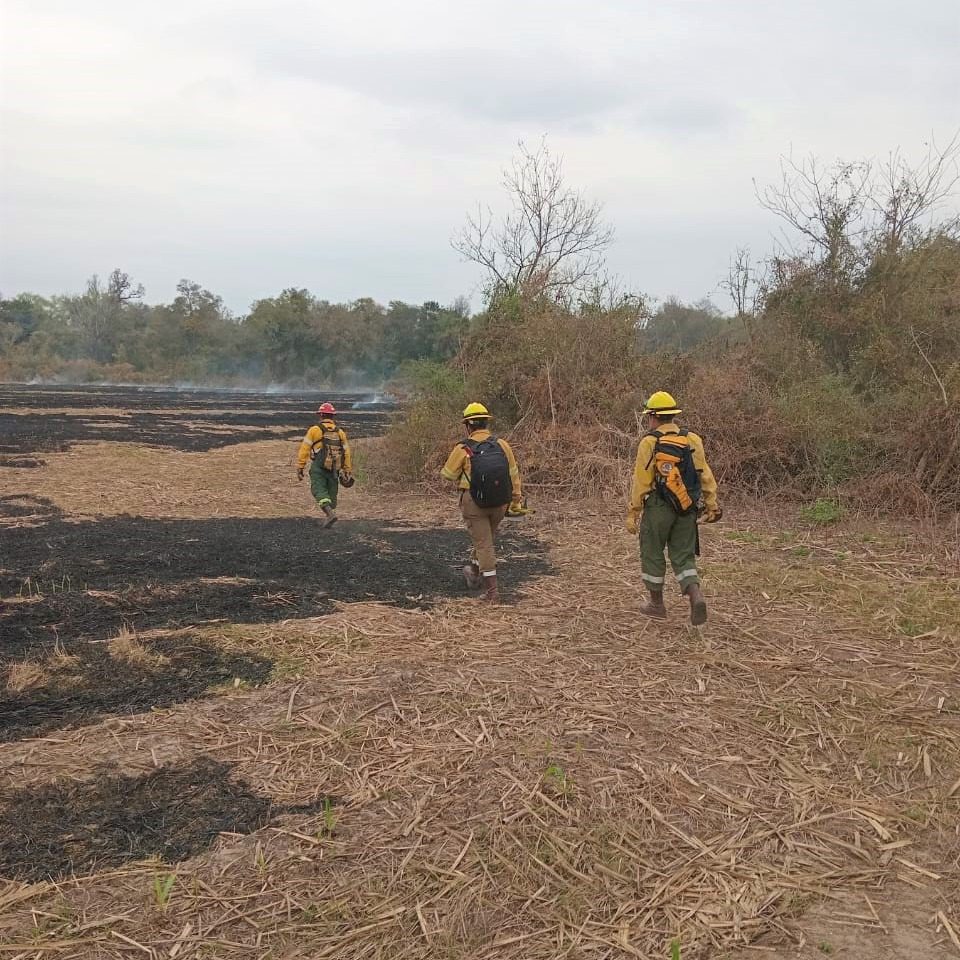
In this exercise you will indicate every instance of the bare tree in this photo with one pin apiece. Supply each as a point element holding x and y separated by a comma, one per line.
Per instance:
<point>846,211</point>
<point>911,194</point>
<point>745,288</point>
<point>825,205</point>
<point>121,288</point>
<point>552,239</point>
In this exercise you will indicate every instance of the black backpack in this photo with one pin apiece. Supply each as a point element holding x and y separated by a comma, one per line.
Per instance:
<point>490,483</point>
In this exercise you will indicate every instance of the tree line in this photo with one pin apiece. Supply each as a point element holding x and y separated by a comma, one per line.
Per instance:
<point>109,333</point>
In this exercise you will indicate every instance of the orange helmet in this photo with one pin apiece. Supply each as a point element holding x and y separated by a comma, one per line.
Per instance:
<point>327,408</point>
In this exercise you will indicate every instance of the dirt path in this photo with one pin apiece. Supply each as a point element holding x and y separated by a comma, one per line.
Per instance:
<point>229,734</point>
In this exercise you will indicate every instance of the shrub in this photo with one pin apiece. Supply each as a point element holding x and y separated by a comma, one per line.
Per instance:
<point>433,396</point>
<point>821,512</point>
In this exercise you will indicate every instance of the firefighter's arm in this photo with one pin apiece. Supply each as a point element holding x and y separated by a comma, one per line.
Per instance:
<point>304,454</point>
<point>514,473</point>
<point>642,477</point>
<point>708,482</point>
<point>642,482</point>
<point>347,452</point>
<point>453,468</point>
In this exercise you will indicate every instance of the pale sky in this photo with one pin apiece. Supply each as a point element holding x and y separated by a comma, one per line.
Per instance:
<point>252,146</point>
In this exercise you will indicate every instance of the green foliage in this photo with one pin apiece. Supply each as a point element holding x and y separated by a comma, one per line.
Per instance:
<point>678,327</point>
<point>329,817</point>
<point>675,949</point>
<point>822,512</point>
<point>162,889</point>
<point>108,333</point>
<point>434,395</point>
<point>555,778</point>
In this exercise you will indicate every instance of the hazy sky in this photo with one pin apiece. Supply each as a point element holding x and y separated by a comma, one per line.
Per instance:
<point>252,146</point>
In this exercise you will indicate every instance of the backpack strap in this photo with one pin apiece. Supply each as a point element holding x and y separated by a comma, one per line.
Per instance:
<point>656,434</point>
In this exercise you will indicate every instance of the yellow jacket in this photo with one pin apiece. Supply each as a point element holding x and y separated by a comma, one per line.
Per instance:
<point>643,475</point>
<point>457,467</point>
<point>312,444</point>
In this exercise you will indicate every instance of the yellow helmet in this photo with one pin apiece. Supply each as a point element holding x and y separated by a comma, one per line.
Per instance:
<point>473,410</point>
<point>661,404</point>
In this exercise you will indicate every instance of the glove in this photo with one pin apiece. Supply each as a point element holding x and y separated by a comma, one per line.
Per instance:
<point>299,473</point>
<point>346,478</point>
<point>518,509</point>
<point>713,514</point>
<point>631,524</point>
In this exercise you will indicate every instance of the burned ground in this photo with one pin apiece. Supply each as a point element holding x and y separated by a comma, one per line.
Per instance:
<point>38,396</point>
<point>69,586</point>
<point>175,812</point>
<point>96,679</point>
<point>76,581</point>
<point>25,506</point>
<point>193,421</point>
<point>31,433</point>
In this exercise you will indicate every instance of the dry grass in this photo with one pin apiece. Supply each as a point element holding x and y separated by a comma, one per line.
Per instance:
<point>558,777</point>
<point>127,646</point>
<point>108,479</point>
<point>24,676</point>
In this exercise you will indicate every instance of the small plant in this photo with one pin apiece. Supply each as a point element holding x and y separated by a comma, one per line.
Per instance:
<point>675,949</point>
<point>285,668</point>
<point>555,777</point>
<point>329,820</point>
<point>260,860</point>
<point>162,888</point>
<point>744,536</point>
<point>821,512</point>
<point>825,946</point>
<point>912,628</point>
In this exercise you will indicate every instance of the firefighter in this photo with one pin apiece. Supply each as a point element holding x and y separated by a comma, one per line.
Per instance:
<point>485,470</point>
<point>670,477</point>
<point>328,449</point>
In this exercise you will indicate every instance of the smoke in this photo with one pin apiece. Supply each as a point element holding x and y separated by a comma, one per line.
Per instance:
<point>360,398</point>
<point>379,401</point>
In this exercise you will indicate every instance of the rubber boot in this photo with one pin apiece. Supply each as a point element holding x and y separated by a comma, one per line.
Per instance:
<point>492,594</point>
<point>698,606</point>
<point>471,574</point>
<point>654,606</point>
<point>331,515</point>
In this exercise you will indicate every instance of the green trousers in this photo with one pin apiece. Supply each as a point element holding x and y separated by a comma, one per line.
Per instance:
<point>324,485</point>
<point>661,528</point>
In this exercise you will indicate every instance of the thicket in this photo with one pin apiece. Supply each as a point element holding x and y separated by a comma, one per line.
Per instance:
<point>108,333</point>
<point>838,373</point>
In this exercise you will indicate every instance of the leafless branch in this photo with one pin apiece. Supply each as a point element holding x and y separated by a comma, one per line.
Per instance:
<point>551,240</point>
<point>933,369</point>
<point>911,194</point>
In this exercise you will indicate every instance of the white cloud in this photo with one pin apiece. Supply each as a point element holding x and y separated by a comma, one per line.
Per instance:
<point>337,146</point>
